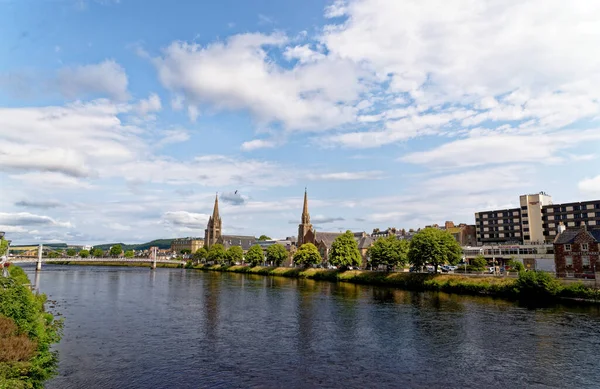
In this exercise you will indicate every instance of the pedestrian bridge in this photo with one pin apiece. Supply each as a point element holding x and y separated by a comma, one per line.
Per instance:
<point>39,261</point>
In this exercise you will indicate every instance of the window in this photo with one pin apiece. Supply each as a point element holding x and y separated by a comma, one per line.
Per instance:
<point>569,261</point>
<point>567,247</point>
<point>584,247</point>
<point>585,261</point>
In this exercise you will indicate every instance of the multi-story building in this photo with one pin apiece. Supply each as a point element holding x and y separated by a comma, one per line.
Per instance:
<point>571,215</point>
<point>534,222</point>
<point>577,252</point>
<point>192,244</point>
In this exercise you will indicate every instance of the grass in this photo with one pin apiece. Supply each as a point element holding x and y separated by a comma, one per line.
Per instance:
<point>529,285</point>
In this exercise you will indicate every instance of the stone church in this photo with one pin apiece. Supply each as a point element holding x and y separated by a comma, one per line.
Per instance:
<point>323,240</point>
<point>213,233</point>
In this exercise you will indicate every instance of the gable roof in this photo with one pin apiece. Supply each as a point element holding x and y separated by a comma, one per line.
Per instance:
<point>238,240</point>
<point>326,237</point>
<point>568,236</point>
<point>365,242</point>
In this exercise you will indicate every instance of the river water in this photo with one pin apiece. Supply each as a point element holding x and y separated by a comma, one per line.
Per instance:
<point>175,328</point>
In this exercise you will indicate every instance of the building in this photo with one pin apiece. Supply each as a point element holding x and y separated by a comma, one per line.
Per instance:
<point>571,215</point>
<point>213,233</point>
<point>533,257</point>
<point>577,252</point>
<point>192,244</point>
<point>534,222</point>
<point>464,234</point>
<point>322,240</point>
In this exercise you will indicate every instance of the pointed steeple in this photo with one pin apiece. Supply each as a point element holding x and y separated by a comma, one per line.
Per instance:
<point>215,214</point>
<point>305,214</point>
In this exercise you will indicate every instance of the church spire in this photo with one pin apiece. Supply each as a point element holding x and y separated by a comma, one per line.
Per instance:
<point>305,214</point>
<point>215,215</point>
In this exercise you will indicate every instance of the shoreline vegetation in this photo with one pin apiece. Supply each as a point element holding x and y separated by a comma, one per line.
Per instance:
<point>531,285</point>
<point>534,286</point>
<point>27,332</point>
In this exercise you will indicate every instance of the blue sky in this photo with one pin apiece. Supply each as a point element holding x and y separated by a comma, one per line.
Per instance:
<point>120,120</point>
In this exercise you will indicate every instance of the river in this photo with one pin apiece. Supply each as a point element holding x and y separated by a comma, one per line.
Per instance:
<point>175,328</point>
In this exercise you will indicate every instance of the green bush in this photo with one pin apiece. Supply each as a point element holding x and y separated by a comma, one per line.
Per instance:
<point>537,284</point>
<point>26,309</point>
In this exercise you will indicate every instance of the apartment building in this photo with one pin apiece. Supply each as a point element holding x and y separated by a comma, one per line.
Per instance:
<point>535,222</point>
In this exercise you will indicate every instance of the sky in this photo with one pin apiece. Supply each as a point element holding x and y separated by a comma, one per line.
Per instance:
<point>121,119</point>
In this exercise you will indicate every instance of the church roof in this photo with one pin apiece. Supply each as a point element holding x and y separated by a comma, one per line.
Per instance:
<point>244,241</point>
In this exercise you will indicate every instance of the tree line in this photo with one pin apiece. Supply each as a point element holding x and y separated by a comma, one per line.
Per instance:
<point>429,246</point>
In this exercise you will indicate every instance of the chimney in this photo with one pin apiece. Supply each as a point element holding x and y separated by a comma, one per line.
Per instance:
<point>583,226</point>
<point>561,228</point>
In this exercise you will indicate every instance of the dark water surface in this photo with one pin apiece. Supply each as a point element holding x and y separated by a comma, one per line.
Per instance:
<point>175,328</point>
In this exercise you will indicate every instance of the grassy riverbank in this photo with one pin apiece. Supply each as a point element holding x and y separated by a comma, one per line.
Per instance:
<point>529,285</point>
<point>111,263</point>
<point>26,333</point>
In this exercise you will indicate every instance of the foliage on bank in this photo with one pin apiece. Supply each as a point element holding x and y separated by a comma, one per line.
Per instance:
<point>26,333</point>
<point>535,286</point>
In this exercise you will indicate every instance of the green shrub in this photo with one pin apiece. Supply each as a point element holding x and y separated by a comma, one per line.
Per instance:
<point>26,310</point>
<point>537,284</point>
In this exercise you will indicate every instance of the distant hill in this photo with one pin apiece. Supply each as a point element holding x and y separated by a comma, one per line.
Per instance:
<point>160,243</point>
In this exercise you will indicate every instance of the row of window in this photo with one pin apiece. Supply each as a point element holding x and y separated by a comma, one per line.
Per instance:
<point>585,261</point>
<point>584,247</point>
<point>580,207</point>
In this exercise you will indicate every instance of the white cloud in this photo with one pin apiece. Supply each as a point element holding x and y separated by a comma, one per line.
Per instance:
<point>347,176</point>
<point>186,219</point>
<point>501,148</point>
<point>590,186</point>
<point>106,78</point>
<point>151,104</point>
<point>258,144</point>
<point>238,74</point>
<point>173,136</point>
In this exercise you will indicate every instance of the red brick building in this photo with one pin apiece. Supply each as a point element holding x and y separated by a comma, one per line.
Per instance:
<point>577,253</point>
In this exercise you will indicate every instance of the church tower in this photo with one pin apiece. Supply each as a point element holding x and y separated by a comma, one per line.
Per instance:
<point>305,227</point>
<point>212,234</point>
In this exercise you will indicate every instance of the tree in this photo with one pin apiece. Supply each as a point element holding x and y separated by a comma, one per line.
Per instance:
<point>235,254</point>
<point>217,254</point>
<point>129,254</point>
<point>276,253</point>
<point>84,253</point>
<point>389,252</point>
<point>264,237</point>
<point>307,255</point>
<point>255,255</point>
<point>71,252</point>
<point>435,247</point>
<point>344,251</point>
<point>97,253</point>
<point>515,265</point>
<point>200,255</point>
<point>116,250</point>
<point>3,246</point>
<point>185,251</point>
<point>479,263</point>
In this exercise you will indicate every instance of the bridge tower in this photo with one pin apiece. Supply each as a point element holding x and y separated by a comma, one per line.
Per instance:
<point>39,262</point>
<point>154,257</point>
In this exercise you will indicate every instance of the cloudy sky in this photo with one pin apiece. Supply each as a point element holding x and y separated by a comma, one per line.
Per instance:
<point>120,120</point>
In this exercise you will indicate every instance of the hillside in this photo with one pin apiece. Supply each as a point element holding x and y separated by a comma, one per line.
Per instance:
<point>160,243</point>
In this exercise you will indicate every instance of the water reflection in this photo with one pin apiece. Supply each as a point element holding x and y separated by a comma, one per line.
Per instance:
<point>135,328</point>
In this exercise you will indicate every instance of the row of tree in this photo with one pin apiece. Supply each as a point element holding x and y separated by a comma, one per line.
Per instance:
<point>429,246</point>
<point>275,255</point>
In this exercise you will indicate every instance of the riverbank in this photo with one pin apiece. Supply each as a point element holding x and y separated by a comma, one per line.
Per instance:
<point>528,286</point>
<point>114,263</point>
<point>26,333</point>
